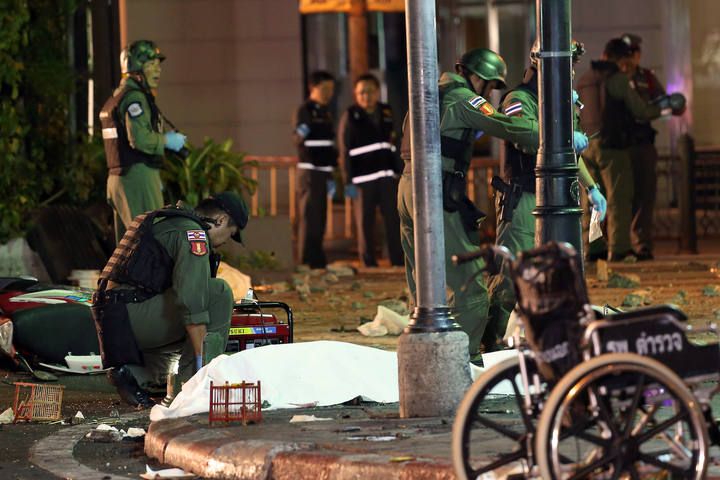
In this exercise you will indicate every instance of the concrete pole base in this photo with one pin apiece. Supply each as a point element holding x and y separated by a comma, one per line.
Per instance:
<point>433,373</point>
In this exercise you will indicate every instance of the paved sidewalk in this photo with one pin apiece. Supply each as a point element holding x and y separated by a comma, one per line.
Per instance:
<point>368,442</point>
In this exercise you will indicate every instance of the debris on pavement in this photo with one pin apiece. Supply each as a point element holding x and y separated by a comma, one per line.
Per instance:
<point>680,298</point>
<point>711,291</point>
<point>331,278</point>
<point>104,434</point>
<point>386,322</point>
<point>7,416</point>
<point>602,270</point>
<point>340,270</point>
<point>78,418</point>
<point>307,418</point>
<point>397,306</point>
<point>168,473</point>
<point>373,438</point>
<point>615,280</point>
<point>638,298</point>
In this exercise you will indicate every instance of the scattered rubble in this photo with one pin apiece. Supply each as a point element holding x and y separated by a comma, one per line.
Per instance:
<point>340,270</point>
<point>331,278</point>
<point>629,280</point>
<point>602,270</point>
<point>711,291</point>
<point>638,298</point>
<point>7,416</point>
<point>680,298</point>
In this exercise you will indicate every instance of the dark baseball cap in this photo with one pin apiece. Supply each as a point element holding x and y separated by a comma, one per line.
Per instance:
<point>235,206</point>
<point>617,48</point>
<point>633,41</point>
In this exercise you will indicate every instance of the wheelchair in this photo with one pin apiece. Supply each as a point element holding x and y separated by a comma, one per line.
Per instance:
<point>589,394</point>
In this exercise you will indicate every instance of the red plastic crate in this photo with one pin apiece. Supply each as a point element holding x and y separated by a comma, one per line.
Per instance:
<point>237,402</point>
<point>37,402</point>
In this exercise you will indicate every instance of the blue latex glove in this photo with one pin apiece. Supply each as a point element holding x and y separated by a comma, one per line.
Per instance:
<point>303,130</point>
<point>198,362</point>
<point>580,140</point>
<point>331,188</point>
<point>174,141</point>
<point>598,201</point>
<point>351,191</point>
<point>575,97</point>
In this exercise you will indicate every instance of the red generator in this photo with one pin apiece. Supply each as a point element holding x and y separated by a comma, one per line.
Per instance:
<point>252,326</point>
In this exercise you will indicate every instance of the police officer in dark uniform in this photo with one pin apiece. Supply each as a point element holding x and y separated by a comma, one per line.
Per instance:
<point>612,106</point>
<point>158,308</point>
<point>370,164</point>
<point>132,127</point>
<point>643,154</point>
<point>314,136</point>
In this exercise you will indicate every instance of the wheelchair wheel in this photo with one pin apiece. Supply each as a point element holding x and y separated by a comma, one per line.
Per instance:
<point>618,416</point>
<point>493,431</point>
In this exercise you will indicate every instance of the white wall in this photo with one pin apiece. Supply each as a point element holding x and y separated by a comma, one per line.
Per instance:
<point>233,67</point>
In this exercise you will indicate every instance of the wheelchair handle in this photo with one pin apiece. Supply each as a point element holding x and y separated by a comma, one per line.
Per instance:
<point>462,258</point>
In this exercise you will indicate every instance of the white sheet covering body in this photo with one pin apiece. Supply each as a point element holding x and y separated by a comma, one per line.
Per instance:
<point>292,375</point>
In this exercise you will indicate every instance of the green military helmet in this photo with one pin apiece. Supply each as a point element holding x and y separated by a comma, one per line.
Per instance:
<point>486,64</point>
<point>133,57</point>
<point>577,49</point>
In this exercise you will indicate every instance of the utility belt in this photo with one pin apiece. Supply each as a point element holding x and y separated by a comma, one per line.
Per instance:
<point>456,200</point>
<point>104,297</point>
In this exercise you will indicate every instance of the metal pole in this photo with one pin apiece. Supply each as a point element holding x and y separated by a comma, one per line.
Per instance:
<point>557,212</point>
<point>433,370</point>
<point>431,313</point>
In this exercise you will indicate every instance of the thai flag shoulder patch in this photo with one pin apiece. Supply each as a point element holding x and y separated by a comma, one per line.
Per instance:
<point>481,104</point>
<point>196,235</point>
<point>514,108</point>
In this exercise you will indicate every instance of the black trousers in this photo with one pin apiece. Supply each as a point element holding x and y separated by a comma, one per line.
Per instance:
<point>380,193</point>
<point>312,215</point>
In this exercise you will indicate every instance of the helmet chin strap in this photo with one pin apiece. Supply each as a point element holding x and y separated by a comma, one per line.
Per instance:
<point>465,73</point>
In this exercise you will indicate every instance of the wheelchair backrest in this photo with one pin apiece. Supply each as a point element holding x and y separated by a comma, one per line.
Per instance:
<point>552,299</point>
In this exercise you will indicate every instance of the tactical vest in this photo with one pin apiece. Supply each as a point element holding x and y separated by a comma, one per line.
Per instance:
<point>460,150</point>
<point>317,151</point>
<point>370,148</point>
<point>518,167</point>
<point>602,113</point>
<point>140,260</point>
<point>647,87</point>
<point>118,152</point>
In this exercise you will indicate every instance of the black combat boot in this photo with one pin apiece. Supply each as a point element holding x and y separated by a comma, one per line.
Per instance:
<point>128,388</point>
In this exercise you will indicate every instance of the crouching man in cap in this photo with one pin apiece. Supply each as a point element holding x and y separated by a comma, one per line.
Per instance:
<point>158,298</point>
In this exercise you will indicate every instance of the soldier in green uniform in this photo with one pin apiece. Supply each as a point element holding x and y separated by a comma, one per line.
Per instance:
<point>464,114</point>
<point>515,198</point>
<point>158,308</point>
<point>643,154</point>
<point>612,106</point>
<point>132,130</point>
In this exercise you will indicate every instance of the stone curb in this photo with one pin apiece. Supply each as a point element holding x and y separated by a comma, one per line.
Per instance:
<point>211,453</point>
<point>54,453</point>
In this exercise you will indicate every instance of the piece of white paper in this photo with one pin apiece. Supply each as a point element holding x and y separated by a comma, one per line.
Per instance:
<point>307,418</point>
<point>595,229</point>
<point>167,473</point>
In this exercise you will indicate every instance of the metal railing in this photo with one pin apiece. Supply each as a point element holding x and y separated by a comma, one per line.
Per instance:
<point>687,205</point>
<point>688,194</point>
<point>277,188</point>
